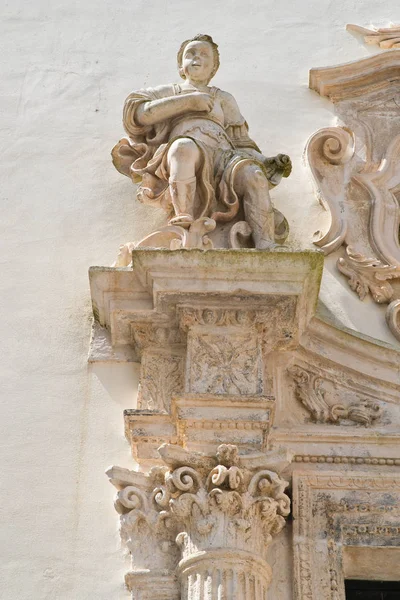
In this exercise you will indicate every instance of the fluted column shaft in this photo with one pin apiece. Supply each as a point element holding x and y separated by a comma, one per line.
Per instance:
<point>224,575</point>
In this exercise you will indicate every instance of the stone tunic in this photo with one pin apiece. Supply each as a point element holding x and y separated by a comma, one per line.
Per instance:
<point>222,144</point>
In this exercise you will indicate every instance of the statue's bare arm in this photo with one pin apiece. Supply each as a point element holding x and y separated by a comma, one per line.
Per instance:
<point>158,111</point>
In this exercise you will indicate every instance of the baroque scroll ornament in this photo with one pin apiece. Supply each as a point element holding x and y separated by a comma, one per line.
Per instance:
<point>188,149</point>
<point>357,173</point>
<point>311,393</point>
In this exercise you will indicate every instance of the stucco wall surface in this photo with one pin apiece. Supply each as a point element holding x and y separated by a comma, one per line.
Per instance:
<point>66,69</point>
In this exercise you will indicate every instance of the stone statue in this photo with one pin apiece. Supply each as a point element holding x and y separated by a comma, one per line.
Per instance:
<point>190,152</point>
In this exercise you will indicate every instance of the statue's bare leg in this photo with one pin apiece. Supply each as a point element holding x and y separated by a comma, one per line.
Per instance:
<point>252,187</point>
<point>183,159</point>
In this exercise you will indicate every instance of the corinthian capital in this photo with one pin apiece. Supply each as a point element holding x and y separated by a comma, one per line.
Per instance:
<point>220,506</point>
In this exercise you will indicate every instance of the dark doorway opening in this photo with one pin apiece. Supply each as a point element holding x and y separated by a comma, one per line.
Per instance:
<point>372,590</point>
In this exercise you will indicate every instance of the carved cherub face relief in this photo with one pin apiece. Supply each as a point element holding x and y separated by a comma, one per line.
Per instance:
<point>198,61</point>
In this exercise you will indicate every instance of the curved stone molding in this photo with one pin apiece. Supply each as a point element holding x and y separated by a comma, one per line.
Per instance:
<point>384,37</point>
<point>368,275</point>
<point>333,513</point>
<point>221,511</point>
<point>327,147</point>
<point>310,392</point>
<point>393,317</point>
<point>356,169</point>
<point>355,79</point>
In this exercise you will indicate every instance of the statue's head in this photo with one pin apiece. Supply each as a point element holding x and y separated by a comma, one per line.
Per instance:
<point>202,49</point>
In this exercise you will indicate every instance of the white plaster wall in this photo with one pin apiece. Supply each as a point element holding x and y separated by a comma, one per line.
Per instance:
<point>66,69</point>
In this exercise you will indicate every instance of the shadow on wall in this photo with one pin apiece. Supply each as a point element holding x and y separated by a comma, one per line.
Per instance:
<point>120,380</point>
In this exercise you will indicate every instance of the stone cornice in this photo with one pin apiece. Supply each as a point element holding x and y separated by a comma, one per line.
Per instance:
<point>384,37</point>
<point>358,78</point>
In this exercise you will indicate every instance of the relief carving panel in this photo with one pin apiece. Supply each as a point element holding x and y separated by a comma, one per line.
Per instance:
<point>161,378</point>
<point>225,363</point>
<point>313,396</point>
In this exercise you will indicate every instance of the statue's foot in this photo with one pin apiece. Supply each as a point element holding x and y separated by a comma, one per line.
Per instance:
<point>181,220</point>
<point>266,245</point>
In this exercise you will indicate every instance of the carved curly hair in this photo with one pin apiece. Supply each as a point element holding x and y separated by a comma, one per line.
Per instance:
<point>200,37</point>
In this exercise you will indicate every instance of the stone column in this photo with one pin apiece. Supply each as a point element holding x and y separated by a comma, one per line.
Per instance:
<point>148,532</point>
<point>226,509</point>
<point>224,575</point>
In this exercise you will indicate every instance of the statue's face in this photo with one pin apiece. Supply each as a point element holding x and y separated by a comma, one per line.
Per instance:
<point>198,61</point>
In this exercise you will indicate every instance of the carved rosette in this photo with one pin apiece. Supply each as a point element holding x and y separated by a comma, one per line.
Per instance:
<point>221,511</point>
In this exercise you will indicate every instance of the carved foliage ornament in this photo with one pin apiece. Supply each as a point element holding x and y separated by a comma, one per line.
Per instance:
<point>311,393</point>
<point>161,378</point>
<point>357,173</point>
<point>225,364</point>
<point>205,503</point>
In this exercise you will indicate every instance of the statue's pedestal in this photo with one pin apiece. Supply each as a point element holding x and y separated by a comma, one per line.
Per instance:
<point>204,326</point>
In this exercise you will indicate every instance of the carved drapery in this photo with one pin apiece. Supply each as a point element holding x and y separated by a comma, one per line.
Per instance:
<point>220,511</point>
<point>357,173</point>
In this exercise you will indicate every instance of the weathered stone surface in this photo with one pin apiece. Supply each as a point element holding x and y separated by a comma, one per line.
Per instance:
<point>203,326</point>
<point>223,511</point>
<point>335,513</point>
<point>239,376</point>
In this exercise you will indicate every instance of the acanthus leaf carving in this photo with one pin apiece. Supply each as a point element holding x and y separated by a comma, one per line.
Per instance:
<point>140,502</point>
<point>368,275</point>
<point>225,364</point>
<point>204,505</point>
<point>161,377</point>
<point>310,392</point>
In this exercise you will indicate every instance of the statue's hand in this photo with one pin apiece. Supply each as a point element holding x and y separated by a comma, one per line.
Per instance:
<point>284,164</point>
<point>202,102</point>
<point>277,167</point>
